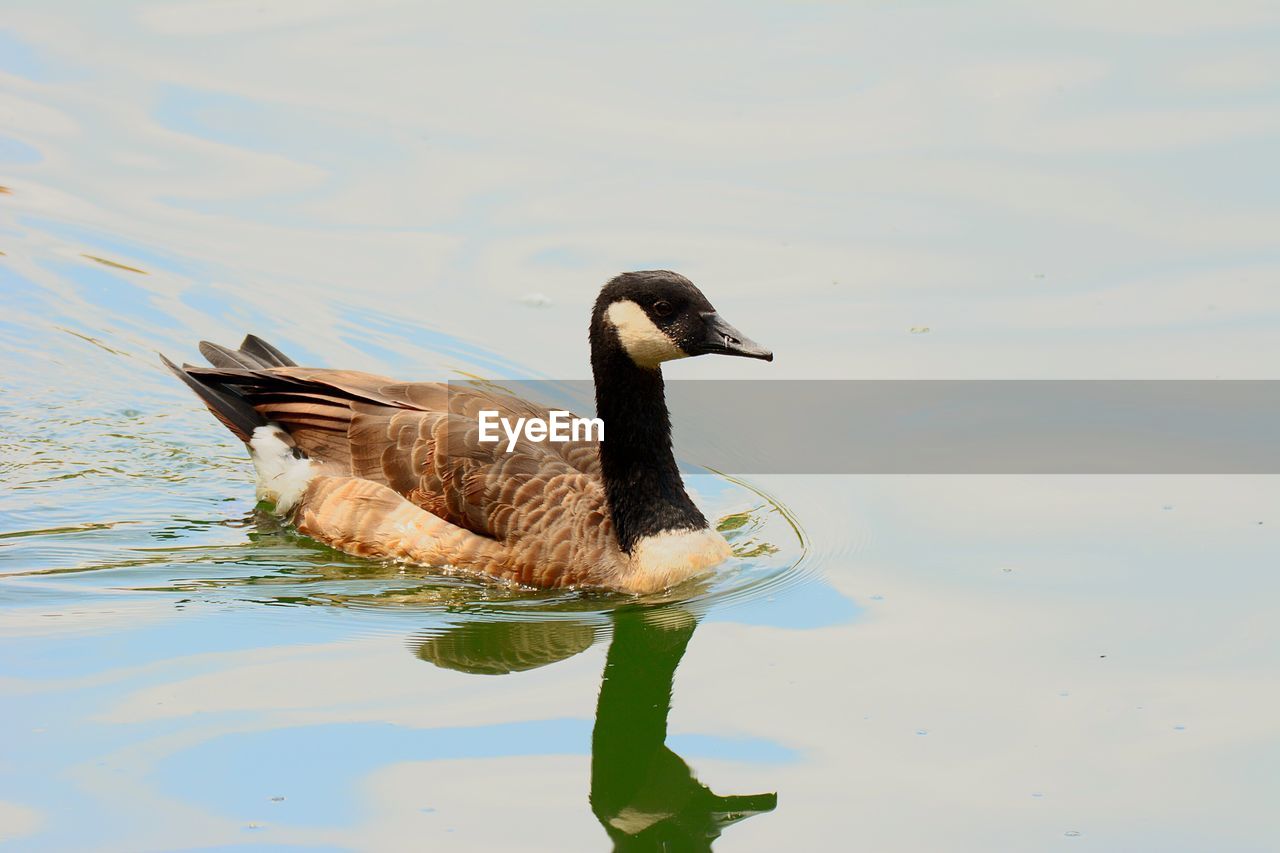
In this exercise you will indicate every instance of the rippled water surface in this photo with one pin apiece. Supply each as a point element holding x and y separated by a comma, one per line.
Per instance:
<point>873,190</point>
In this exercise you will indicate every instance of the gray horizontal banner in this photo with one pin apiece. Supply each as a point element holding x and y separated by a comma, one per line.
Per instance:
<point>958,427</point>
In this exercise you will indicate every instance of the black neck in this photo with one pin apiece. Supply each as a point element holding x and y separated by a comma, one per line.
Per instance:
<point>641,480</point>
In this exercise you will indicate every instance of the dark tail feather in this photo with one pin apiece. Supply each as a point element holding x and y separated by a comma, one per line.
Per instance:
<point>234,412</point>
<point>265,352</point>
<point>220,356</point>
<point>254,354</point>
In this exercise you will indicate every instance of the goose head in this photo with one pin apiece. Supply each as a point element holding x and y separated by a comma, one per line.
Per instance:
<point>657,315</point>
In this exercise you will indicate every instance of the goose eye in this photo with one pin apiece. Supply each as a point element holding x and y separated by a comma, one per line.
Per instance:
<point>662,308</point>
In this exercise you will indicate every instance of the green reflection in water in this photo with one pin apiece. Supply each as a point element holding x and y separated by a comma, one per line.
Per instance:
<point>644,795</point>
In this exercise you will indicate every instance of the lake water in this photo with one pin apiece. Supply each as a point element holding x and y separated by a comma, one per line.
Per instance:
<point>878,190</point>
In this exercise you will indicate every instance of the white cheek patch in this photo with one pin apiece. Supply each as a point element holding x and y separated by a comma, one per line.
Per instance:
<point>647,345</point>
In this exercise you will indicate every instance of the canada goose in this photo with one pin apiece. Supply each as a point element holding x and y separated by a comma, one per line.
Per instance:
<point>391,469</point>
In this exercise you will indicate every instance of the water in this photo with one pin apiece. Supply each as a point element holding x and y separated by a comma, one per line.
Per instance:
<point>900,663</point>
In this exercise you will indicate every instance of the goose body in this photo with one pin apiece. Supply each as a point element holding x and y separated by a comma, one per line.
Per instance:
<point>382,468</point>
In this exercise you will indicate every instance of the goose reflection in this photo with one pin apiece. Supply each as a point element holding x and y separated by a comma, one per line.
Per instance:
<point>644,795</point>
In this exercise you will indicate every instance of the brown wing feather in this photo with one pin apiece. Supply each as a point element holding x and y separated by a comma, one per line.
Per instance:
<point>422,441</point>
<point>572,545</point>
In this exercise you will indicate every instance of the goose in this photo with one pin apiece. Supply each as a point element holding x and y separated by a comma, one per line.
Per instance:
<point>397,470</point>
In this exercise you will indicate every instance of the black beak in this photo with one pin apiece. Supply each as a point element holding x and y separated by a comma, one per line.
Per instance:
<point>722,339</point>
